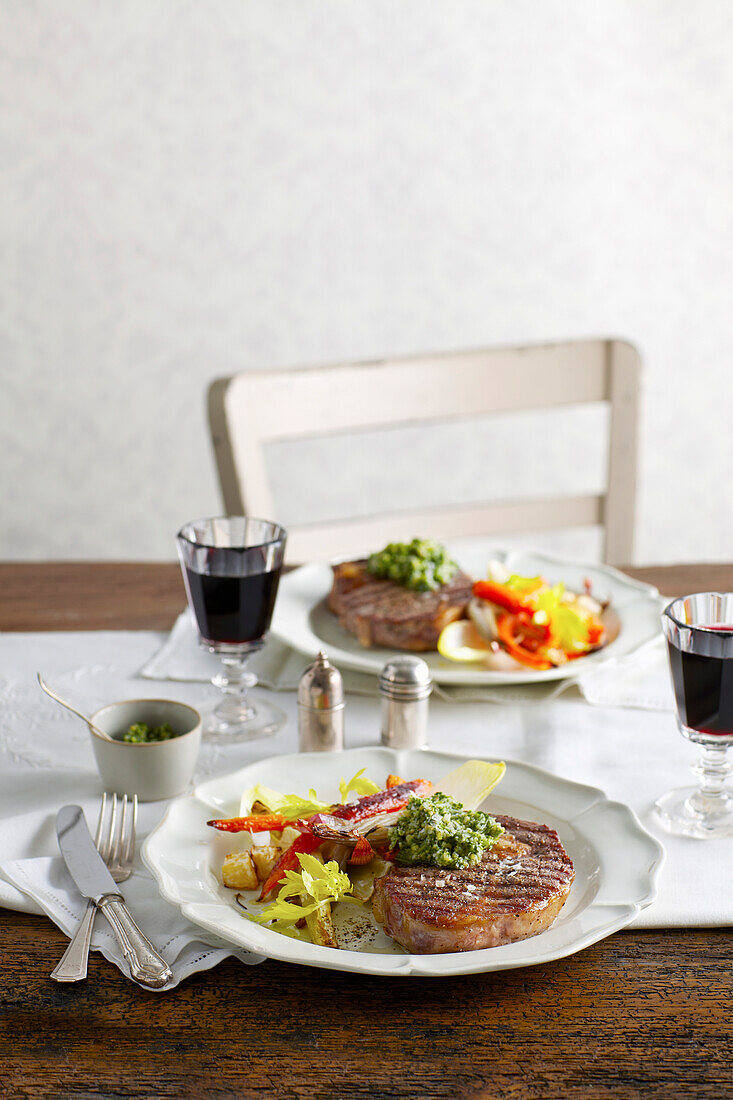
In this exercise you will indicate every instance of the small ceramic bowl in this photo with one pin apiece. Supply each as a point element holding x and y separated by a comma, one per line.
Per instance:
<point>151,770</point>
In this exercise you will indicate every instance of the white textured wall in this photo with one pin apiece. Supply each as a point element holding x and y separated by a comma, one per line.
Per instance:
<point>190,189</point>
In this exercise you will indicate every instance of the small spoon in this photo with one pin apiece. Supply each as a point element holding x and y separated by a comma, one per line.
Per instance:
<point>73,710</point>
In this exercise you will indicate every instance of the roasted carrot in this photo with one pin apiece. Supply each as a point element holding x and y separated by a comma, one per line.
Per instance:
<point>256,823</point>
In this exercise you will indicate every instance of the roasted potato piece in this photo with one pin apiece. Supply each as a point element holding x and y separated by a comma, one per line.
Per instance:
<point>238,871</point>
<point>265,856</point>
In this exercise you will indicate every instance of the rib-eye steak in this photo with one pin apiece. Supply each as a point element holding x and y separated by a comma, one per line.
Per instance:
<point>382,612</point>
<point>516,891</point>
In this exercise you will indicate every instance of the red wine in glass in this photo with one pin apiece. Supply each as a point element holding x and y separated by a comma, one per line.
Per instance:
<point>699,633</point>
<point>703,687</point>
<point>232,610</point>
<point>231,569</point>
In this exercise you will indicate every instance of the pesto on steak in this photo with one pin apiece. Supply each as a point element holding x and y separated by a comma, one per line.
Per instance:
<point>421,565</point>
<point>441,832</point>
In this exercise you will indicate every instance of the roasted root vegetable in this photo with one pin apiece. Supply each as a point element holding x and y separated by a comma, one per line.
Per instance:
<point>254,823</point>
<point>239,871</point>
<point>265,856</point>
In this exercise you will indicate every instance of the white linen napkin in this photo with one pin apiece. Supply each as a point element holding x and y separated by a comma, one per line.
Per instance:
<point>639,680</point>
<point>184,946</point>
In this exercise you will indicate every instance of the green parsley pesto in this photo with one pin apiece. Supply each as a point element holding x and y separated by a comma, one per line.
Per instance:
<point>441,832</point>
<point>421,565</point>
<point>140,733</point>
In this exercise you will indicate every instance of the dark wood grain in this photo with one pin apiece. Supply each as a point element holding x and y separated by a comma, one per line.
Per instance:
<point>641,1014</point>
<point>134,596</point>
<point>90,595</point>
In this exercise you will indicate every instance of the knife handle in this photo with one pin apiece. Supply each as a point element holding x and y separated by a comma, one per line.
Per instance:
<point>73,964</point>
<point>146,965</point>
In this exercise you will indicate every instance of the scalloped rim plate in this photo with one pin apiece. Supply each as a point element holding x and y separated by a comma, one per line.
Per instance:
<point>616,861</point>
<point>302,619</point>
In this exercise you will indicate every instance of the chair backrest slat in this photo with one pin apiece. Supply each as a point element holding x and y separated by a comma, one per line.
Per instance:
<point>354,536</point>
<point>252,409</point>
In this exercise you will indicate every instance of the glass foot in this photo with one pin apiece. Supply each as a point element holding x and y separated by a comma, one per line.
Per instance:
<point>230,724</point>
<point>688,811</point>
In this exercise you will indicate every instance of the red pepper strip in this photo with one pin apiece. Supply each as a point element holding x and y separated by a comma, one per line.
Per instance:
<point>288,861</point>
<point>501,596</point>
<point>382,802</point>
<point>539,632</point>
<point>257,823</point>
<point>506,626</point>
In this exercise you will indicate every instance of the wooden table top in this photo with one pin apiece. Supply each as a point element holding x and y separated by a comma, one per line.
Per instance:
<point>638,1014</point>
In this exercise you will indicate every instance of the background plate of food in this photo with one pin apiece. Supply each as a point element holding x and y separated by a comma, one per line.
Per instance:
<point>478,614</point>
<point>566,853</point>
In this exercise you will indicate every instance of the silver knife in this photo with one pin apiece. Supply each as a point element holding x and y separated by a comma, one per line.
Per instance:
<point>89,872</point>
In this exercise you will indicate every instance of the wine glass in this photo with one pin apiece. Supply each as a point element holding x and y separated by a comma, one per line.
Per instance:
<point>231,569</point>
<point>699,632</point>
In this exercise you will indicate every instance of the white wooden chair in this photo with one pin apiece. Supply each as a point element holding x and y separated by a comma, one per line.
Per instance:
<point>250,410</point>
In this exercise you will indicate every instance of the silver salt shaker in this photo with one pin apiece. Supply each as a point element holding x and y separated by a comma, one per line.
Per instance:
<point>321,707</point>
<point>405,685</point>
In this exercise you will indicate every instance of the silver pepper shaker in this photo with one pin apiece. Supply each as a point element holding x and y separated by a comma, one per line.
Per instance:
<point>321,707</point>
<point>405,685</point>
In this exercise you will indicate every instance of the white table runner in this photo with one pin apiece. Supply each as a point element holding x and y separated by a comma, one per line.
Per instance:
<point>640,680</point>
<point>46,760</point>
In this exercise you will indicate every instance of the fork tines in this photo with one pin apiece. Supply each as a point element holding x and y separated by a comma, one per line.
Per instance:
<point>116,830</point>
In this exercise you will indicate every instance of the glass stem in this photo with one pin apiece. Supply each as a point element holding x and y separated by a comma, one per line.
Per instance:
<point>235,682</point>
<point>712,769</point>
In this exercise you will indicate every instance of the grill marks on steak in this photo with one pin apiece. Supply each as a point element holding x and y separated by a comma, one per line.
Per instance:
<point>516,891</point>
<point>382,612</point>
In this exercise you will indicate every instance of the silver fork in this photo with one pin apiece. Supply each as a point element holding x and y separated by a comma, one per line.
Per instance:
<point>116,846</point>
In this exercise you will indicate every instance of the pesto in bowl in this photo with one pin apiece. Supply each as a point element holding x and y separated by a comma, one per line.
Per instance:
<point>140,733</point>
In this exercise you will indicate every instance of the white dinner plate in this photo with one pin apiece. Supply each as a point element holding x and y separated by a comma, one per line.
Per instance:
<point>302,619</point>
<point>616,861</point>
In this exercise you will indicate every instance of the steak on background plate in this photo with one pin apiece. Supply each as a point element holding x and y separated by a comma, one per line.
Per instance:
<point>384,613</point>
<point>516,891</point>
